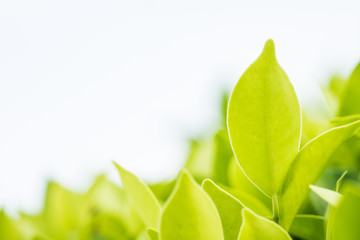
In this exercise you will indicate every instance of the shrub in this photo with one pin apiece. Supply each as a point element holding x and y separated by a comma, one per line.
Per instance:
<point>250,180</point>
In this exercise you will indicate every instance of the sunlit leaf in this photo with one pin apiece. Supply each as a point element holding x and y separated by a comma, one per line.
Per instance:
<point>255,227</point>
<point>307,167</point>
<point>264,122</point>
<point>190,214</point>
<point>142,197</point>
<point>327,195</point>
<point>229,209</point>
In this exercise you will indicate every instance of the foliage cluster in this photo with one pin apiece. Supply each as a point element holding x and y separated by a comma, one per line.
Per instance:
<point>252,179</point>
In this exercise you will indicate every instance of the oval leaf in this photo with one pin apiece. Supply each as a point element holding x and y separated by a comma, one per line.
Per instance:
<point>144,200</point>
<point>255,227</point>
<point>190,214</point>
<point>264,122</point>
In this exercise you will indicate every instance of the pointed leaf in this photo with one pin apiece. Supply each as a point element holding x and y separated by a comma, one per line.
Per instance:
<point>307,167</point>
<point>229,209</point>
<point>190,214</point>
<point>264,122</point>
<point>327,195</point>
<point>255,227</point>
<point>144,200</point>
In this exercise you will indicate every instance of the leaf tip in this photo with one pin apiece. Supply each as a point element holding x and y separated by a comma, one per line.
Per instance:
<point>269,48</point>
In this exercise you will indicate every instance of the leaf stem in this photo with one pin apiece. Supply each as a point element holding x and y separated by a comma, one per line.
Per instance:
<point>275,208</point>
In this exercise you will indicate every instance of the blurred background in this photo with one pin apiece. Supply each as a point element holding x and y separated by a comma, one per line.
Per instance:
<point>83,83</point>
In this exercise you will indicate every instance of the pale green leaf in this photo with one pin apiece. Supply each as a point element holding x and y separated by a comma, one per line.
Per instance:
<point>307,167</point>
<point>143,199</point>
<point>308,227</point>
<point>264,122</point>
<point>255,227</point>
<point>229,209</point>
<point>327,195</point>
<point>190,214</point>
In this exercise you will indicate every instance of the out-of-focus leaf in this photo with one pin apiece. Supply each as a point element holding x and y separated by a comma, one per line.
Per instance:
<point>331,209</point>
<point>308,227</point>
<point>8,229</point>
<point>229,209</point>
<point>200,162</point>
<point>255,227</point>
<point>162,190</point>
<point>106,198</point>
<point>223,154</point>
<point>144,200</point>
<point>60,216</point>
<point>350,99</point>
<point>346,217</point>
<point>190,214</point>
<point>153,234</point>
<point>307,167</point>
<point>264,122</point>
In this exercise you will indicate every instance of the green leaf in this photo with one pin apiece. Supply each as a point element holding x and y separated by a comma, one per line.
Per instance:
<point>8,228</point>
<point>264,122</point>
<point>307,167</point>
<point>229,209</point>
<point>309,227</point>
<point>153,234</point>
<point>190,214</point>
<point>346,217</point>
<point>106,198</point>
<point>331,210</point>
<point>350,99</point>
<point>246,191</point>
<point>255,227</point>
<point>327,195</point>
<point>144,200</point>
<point>61,211</point>
<point>223,155</point>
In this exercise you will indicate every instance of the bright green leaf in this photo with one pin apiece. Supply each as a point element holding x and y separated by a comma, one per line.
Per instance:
<point>264,122</point>
<point>307,167</point>
<point>143,198</point>
<point>229,209</point>
<point>255,227</point>
<point>190,214</point>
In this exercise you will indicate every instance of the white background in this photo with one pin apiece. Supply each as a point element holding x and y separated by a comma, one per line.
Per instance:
<point>83,83</point>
